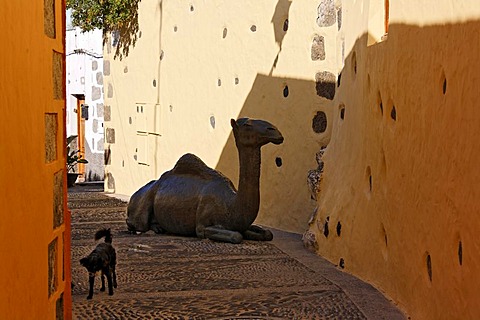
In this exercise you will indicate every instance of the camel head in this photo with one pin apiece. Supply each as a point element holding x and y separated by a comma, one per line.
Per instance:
<point>255,133</point>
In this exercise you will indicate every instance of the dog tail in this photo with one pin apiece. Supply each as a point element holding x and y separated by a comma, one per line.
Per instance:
<point>104,233</point>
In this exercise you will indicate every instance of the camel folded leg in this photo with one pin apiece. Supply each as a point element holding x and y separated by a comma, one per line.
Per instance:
<point>222,235</point>
<point>257,233</point>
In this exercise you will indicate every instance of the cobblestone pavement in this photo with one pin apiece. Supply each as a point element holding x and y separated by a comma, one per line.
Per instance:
<point>170,277</point>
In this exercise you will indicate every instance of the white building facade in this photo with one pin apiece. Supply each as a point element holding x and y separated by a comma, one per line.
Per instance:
<point>84,98</point>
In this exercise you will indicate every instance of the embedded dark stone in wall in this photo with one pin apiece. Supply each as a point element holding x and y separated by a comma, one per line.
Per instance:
<point>429,267</point>
<point>278,161</point>
<point>319,122</point>
<point>212,121</point>
<point>318,48</point>
<point>326,13</point>
<point>100,144</point>
<point>325,84</point>
<point>99,110</point>
<point>96,93</point>
<point>49,18</point>
<point>110,181</point>
<point>354,62</point>
<point>57,69</point>
<point>94,65</point>
<point>99,77</point>
<point>58,199</point>
<point>460,253</point>
<point>110,135</point>
<point>110,91</point>
<point>106,67</point>
<point>313,181</point>
<point>393,113</point>
<point>107,113</point>
<point>310,240</point>
<point>109,45</point>
<point>107,156</point>
<point>52,267</point>
<point>339,18</point>
<point>50,137</point>
<point>115,38</point>
<point>325,228</point>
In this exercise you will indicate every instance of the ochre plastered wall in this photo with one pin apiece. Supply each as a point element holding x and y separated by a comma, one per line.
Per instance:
<point>196,65</point>
<point>399,194</point>
<point>34,237</point>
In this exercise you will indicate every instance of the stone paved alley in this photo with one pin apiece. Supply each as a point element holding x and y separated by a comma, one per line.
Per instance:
<point>170,277</point>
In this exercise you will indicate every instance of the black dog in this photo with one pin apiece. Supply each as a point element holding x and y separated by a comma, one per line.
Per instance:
<point>104,259</point>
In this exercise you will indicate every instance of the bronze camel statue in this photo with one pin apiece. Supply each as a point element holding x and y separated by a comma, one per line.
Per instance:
<point>195,200</point>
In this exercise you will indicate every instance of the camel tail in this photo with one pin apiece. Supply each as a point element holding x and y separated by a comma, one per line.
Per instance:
<point>104,233</point>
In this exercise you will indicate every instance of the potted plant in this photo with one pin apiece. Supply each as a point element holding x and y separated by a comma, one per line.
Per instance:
<point>73,158</point>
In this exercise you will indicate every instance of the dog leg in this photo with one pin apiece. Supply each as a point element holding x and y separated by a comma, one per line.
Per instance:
<point>103,282</point>
<point>114,276</point>
<point>109,280</point>
<point>91,281</point>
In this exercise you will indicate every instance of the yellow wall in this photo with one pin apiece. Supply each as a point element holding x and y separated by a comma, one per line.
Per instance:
<point>412,228</point>
<point>173,72</point>
<point>423,196</point>
<point>32,162</point>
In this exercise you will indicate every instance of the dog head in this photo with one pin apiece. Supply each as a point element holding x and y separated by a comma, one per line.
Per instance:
<point>92,263</point>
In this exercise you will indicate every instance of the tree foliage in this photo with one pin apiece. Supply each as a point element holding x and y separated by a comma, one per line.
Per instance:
<point>115,17</point>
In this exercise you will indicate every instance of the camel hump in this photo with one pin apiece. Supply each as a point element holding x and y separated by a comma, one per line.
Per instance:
<point>190,164</point>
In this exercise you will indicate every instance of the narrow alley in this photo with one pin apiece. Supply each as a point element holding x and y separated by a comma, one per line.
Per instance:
<point>170,277</point>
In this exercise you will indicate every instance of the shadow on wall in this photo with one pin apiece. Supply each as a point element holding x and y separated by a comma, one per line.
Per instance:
<point>294,107</point>
<point>301,110</point>
<point>280,25</point>
<point>400,185</point>
<point>126,34</point>
<point>401,167</point>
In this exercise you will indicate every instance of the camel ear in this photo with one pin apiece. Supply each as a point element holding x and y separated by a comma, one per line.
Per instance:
<point>234,124</point>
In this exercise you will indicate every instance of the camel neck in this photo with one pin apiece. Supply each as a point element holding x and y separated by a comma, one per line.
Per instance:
<point>248,195</point>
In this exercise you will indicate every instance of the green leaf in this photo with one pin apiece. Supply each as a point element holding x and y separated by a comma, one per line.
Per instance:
<point>119,16</point>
